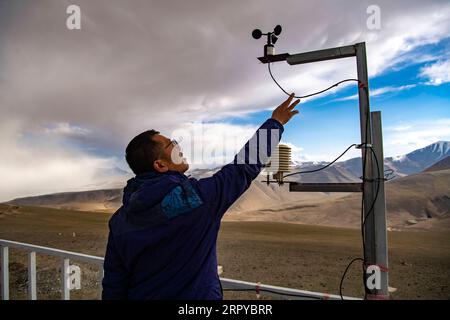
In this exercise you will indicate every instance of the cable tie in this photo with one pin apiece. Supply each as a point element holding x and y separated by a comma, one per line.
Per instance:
<point>362,84</point>
<point>382,267</point>
<point>363,145</point>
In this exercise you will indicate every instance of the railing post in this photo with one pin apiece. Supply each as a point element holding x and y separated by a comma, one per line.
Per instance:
<point>65,290</point>
<point>5,272</point>
<point>32,295</point>
<point>102,274</point>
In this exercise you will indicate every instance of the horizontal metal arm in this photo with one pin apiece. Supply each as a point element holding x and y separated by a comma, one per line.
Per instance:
<point>325,187</point>
<point>322,55</point>
<point>312,56</point>
<point>274,58</point>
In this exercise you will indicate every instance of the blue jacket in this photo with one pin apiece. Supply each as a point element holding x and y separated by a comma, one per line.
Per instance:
<point>162,240</point>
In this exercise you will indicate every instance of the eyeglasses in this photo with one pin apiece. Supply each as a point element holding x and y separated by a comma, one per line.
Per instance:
<point>172,142</point>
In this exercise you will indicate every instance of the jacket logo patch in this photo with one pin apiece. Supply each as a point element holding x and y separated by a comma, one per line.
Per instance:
<point>180,200</point>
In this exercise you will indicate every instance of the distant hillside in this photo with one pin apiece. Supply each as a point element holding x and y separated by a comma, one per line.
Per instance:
<point>424,195</point>
<point>97,200</point>
<point>407,198</point>
<point>440,165</point>
<point>351,169</point>
<point>420,201</point>
<point>409,203</point>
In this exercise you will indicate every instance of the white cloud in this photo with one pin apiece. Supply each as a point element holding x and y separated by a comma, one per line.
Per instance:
<point>142,65</point>
<point>65,129</point>
<point>437,73</point>
<point>209,145</point>
<point>213,144</point>
<point>399,128</point>
<point>401,33</point>
<point>414,136</point>
<point>35,165</point>
<point>296,152</point>
<point>380,91</point>
<point>299,154</point>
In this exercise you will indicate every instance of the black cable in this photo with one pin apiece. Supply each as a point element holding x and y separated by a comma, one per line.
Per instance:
<point>363,240</point>
<point>365,144</point>
<point>324,167</point>
<point>312,94</point>
<point>275,292</point>
<point>378,187</point>
<point>363,216</point>
<point>363,235</point>
<point>345,272</point>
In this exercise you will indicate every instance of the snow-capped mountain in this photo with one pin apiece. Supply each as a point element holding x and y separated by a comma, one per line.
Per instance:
<point>420,159</point>
<point>345,171</point>
<point>351,170</point>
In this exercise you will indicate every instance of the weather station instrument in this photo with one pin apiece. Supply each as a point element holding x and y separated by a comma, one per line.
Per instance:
<point>372,186</point>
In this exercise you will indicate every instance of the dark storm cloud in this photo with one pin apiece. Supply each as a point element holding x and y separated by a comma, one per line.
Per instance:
<point>136,65</point>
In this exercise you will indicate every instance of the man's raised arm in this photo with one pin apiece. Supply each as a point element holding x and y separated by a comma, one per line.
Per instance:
<point>229,183</point>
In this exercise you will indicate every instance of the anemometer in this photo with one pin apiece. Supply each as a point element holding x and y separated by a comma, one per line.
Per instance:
<point>272,37</point>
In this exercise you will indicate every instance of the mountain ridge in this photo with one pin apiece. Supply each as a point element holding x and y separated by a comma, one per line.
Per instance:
<point>407,200</point>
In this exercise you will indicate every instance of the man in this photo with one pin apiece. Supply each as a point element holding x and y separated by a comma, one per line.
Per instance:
<point>162,240</point>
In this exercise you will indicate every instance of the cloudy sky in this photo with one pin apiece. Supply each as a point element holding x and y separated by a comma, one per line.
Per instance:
<point>70,100</point>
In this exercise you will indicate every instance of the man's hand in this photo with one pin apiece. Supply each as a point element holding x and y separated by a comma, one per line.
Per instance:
<point>285,111</point>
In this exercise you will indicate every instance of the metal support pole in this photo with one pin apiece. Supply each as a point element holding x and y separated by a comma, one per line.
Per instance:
<point>367,159</point>
<point>325,187</point>
<point>32,276</point>
<point>375,251</point>
<point>379,211</point>
<point>65,290</point>
<point>5,272</point>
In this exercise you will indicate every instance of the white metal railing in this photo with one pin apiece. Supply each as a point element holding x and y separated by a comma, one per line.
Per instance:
<point>66,256</point>
<point>265,289</point>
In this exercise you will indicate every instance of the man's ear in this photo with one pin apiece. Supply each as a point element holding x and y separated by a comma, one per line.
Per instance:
<point>160,166</point>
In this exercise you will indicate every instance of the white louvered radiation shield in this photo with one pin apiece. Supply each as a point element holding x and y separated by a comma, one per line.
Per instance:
<point>279,162</point>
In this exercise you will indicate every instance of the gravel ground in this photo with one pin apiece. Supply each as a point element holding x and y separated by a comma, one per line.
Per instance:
<point>298,256</point>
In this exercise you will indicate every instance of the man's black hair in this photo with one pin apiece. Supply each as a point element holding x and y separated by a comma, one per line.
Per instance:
<point>142,151</point>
